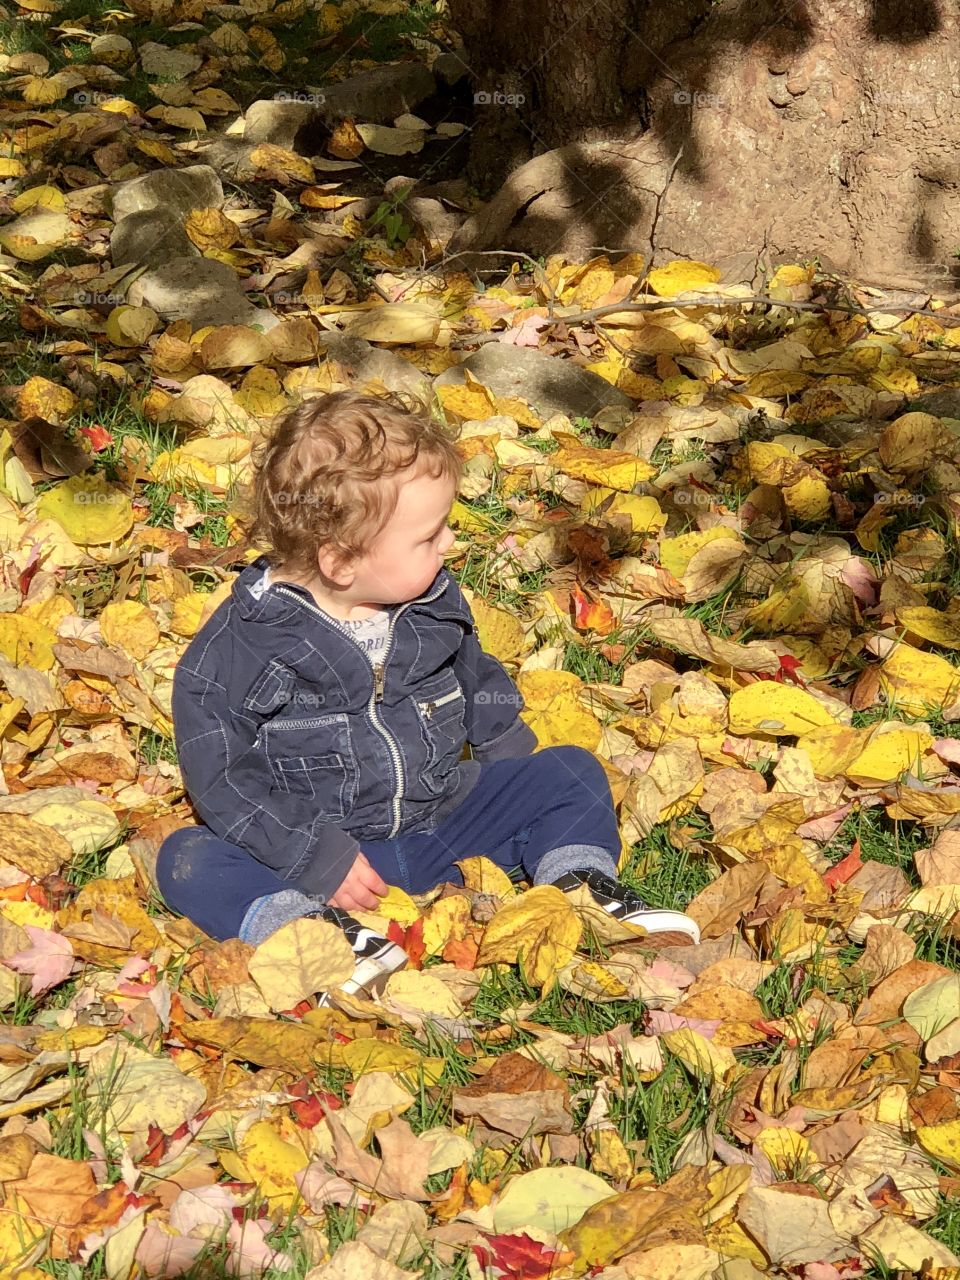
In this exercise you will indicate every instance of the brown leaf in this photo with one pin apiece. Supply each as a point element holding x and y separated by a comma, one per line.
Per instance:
<point>517,1096</point>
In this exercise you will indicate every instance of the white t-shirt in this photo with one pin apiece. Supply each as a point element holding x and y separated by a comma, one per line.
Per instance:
<point>369,633</point>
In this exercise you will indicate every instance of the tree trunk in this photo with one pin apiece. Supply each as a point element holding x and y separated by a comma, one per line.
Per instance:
<point>738,132</point>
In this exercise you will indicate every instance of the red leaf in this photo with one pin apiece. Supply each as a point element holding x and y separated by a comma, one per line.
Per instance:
<point>411,939</point>
<point>520,1257</point>
<point>843,871</point>
<point>789,665</point>
<point>98,436</point>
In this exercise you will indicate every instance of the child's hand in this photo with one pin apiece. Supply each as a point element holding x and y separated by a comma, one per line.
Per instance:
<point>361,887</point>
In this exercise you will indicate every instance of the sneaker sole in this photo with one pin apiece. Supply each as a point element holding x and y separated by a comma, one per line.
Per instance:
<point>664,922</point>
<point>371,974</point>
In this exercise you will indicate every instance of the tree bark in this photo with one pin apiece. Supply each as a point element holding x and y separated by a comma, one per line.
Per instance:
<point>739,132</point>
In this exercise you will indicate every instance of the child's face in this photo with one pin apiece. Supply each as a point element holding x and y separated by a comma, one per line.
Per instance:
<point>409,551</point>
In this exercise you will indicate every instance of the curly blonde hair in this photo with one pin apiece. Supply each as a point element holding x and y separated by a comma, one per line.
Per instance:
<point>319,478</point>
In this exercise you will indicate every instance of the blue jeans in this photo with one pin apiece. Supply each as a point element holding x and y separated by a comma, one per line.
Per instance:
<point>519,809</point>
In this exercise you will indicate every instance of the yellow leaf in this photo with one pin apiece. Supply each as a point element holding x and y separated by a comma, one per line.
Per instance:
<point>44,196</point>
<point>681,276</point>
<point>271,1163</point>
<point>22,1238</point>
<point>538,928</point>
<point>707,1060</point>
<point>676,553</point>
<point>917,681</point>
<point>396,904</point>
<point>86,825</point>
<point>27,642</point>
<point>179,118</point>
<point>500,633</point>
<point>553,712</point>
<point>808,499</point>
<point>931,1007</point>
<point>41,398</point>
<point>549,1199</point>
<point>90,510</point>
<point>210,228</point>
<point>483,876</point>
<point>942,1141</point>
<point>616,470</point>
<point>787,1150</point>
<point>913,441</point>
<point>365,1054</point>
<point>644,513</point>
<point>32,847</point>
<point>447,920</point>
<point>130,626</point>
<point>399,322</point>
<point>129,326</point>
<point>303,957</point>
<point>129,1089</point>
<point>831,748</point>
<point>888,755</point>
<point>768,707</point>
<point>280,163</point>
<point>419,992</point>
<point>931,624</point>
<point>468,401</point>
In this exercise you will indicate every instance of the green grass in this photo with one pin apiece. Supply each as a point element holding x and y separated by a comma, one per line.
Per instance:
<point>664,875</point>
<point>882,839</point>
<point>660,1113</point>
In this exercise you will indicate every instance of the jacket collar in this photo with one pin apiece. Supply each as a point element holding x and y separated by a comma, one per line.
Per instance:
<point>258,603</point>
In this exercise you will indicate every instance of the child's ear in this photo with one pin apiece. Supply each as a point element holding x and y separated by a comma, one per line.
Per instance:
<point>335,566</point>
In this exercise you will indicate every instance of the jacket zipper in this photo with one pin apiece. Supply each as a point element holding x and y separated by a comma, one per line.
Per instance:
<point>378,681</point>
<point>428,708</point>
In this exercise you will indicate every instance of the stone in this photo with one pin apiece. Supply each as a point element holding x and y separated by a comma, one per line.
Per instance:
<point>449,68</point>
<point>200,290</point>
<point>379,94</point>
<point>277,120</point>
<point>150,238</point>
<point>176,190</point>
<point>362,362</point>
<point>550,385</point>
<point>161,60</point>
<point>431,218</point>
<point>942,404</point>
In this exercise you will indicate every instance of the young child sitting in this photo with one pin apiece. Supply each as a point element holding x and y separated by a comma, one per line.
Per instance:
<point>321,712</point>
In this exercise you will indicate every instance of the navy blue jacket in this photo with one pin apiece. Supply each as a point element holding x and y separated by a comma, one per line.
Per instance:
<point>293,746</point>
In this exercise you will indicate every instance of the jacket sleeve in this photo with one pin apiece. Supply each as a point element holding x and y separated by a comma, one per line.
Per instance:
<point>226,783</point>
<point>492,705</point>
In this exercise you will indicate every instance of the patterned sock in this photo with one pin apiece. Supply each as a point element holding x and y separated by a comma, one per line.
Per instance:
<point>574,857</point>
<point>265,915</point>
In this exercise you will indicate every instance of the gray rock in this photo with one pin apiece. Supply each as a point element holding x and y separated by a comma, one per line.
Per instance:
<point>277,121</point>
<point>363,363</point>
<point>150,238</point>
<point>200,290</point>
<point>175,190</point>
<point>943,404</point>
<point>378,94</point>
<point>448,68</point>
<point>549,384</point>
<point>431,218</point>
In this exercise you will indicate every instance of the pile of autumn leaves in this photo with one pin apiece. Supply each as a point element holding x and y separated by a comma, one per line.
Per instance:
<point>215,1108</point>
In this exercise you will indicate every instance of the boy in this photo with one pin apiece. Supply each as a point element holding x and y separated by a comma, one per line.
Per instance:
<point>322,711</point>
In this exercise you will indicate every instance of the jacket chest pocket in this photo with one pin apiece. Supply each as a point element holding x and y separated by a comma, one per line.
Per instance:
<point>440,711</point>
<point>314,760</point>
